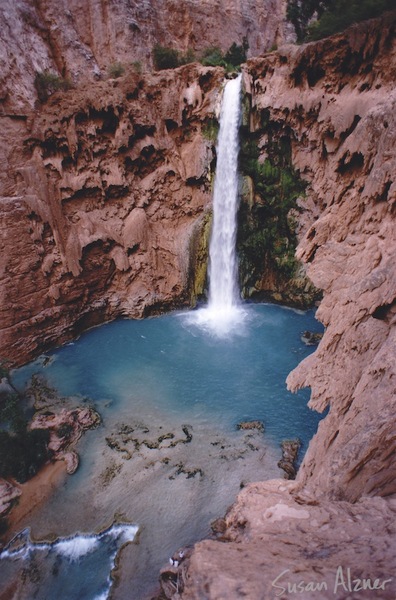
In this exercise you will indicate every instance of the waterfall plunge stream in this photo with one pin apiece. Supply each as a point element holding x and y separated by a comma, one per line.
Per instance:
<point>224,313</point>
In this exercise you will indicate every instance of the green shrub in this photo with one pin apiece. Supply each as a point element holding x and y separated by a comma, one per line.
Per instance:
<point>213,57</point>
<point>342,13</point>
<point>22,452</point>
<point>187,58</point>
<point>46,83</point>
<point>137,66</point>
<point>210,130</point>
<point>165,58</point>
<point>4,370</point>
<point>169,58</point>
<point>116,70</point>
<point>236,55</point>
<point>11,414</point>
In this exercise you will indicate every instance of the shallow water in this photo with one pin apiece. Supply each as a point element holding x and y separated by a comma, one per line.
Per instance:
<point>168,456</point>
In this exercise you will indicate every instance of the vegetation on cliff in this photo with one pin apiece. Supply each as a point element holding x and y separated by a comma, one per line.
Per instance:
<point>22,452</point>
<point>46,83</point>
<point>316,19</point>
<point>267,237</point>
<point>170,58</point>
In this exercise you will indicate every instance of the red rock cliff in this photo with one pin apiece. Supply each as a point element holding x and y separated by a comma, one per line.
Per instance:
<point>336,100</point>
<point>101,192</point>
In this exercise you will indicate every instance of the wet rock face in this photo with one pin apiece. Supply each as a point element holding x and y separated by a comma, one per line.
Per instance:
<point>101,194</point>
<point>335,101</point>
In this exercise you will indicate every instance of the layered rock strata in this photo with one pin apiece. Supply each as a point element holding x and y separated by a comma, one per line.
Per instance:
<point>335,102</point>
<point>81,40</point>
<point>102,194</point>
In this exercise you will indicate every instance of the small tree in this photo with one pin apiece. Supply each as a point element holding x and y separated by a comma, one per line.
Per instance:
<point>235,55</point>
<point>213,57</point>
<point>46,83</point>
<point>165,58</point>
<point>188,57</point>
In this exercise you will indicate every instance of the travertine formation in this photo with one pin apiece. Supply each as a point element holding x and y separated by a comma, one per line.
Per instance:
<point>9,493</point>
<point>103,192</point>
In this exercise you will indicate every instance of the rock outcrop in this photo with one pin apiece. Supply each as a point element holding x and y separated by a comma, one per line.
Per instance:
<point>9,493</point>
<point>65,429</point>
<point>276,545</point>
<point>103,192</point>
<point>335,102</point>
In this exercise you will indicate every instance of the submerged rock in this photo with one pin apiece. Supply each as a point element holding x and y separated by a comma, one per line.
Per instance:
<point>311,339</point>
<point>259,425</point>
<point>72,461</point>
<point>65,430</point>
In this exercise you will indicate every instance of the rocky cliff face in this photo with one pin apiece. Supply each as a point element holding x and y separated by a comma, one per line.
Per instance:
<point>102,192</point>
<point>335,101</point>
<point>80,40</point>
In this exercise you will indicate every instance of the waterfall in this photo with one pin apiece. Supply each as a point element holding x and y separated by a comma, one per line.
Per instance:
<point>223,272</point>
<point>224,313</point>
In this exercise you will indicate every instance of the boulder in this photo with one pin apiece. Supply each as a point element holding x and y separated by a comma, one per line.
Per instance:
<point>8,494</point>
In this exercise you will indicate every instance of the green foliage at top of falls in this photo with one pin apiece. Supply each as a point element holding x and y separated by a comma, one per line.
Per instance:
<point>333,16</point>
<point>170,58</point>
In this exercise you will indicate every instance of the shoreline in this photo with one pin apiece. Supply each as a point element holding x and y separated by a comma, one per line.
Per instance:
<point>34,494</point>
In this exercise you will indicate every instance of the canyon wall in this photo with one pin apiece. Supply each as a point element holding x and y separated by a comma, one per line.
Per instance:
<point>335,101</point>
<point>80,40</point>
<point>103,193</point>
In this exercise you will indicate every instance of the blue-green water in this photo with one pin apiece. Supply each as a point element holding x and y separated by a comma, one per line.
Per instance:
<point>169,365</point>
<point>158,376</point>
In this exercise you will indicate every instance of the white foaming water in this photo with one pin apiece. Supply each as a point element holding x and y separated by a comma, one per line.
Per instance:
<point>74,549</point>
<point>224,313</point>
